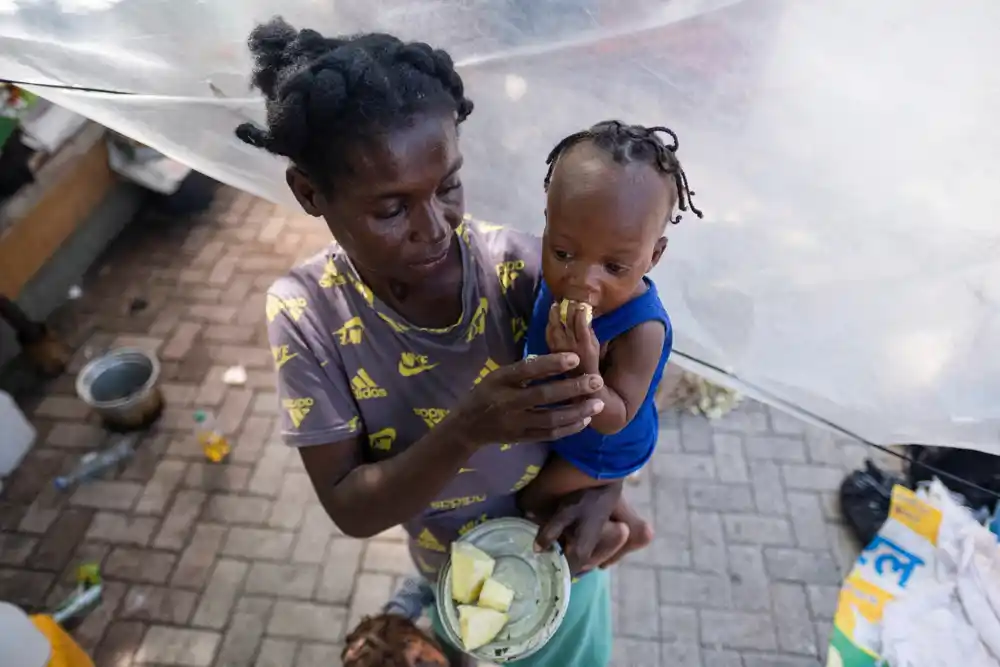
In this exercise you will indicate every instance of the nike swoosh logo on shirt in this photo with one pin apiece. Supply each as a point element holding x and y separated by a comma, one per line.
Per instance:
<point>407,371</point>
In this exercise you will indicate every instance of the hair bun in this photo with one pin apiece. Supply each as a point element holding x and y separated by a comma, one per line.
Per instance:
<point>270,45</point>
<point>323,93</point>
<point>253,135</point>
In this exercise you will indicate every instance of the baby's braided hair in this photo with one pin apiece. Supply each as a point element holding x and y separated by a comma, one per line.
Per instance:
<point>323,93</point>
<point>628,143</point>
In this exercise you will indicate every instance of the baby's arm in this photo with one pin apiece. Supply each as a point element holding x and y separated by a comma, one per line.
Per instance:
<point>628,369</point>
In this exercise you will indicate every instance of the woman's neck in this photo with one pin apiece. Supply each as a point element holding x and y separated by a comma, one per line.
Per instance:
<point>435,303</point>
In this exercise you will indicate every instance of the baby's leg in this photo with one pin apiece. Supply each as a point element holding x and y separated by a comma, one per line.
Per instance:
<point>560,478</point>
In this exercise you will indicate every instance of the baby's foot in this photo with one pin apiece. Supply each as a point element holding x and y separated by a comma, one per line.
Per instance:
<point>613,538</point>
<point>411,598</point>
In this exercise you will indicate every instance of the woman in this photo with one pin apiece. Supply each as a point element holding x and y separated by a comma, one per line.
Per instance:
<point>398,348</point>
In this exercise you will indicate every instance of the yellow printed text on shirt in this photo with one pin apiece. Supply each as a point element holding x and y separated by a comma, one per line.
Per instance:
<point>508,272</point>
<point>431,416</point>
<point>455,503</point>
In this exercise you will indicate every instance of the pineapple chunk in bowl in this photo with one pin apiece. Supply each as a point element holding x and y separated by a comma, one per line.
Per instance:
<point>497,599</point>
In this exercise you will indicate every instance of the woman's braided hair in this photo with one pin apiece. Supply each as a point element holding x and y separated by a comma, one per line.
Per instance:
<point>631,143</point>
<point>323,93</point>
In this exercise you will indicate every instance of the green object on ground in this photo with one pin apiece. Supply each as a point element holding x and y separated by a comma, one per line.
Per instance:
<point>88,574</point>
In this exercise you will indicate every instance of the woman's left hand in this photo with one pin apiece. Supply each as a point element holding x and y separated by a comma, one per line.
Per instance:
<point>581,518</point>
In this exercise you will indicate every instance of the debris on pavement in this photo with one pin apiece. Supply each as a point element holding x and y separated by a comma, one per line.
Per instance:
<point>235,376</point>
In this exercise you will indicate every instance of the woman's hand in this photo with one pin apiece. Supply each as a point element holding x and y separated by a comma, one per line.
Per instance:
<point>581,520</point>
<point>576,336</point>
<point>508,405</point>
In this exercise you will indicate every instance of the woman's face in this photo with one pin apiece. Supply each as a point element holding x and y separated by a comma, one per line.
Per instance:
<point>396,211</point>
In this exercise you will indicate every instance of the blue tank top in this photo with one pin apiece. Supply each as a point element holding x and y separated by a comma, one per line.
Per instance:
<point>611,456</point>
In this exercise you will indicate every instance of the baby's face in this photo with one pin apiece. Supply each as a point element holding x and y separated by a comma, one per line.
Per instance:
<point>604,227</point>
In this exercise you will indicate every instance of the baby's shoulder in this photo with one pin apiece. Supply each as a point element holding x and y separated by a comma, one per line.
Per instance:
<point>645,337</point>
<point>645,328</point>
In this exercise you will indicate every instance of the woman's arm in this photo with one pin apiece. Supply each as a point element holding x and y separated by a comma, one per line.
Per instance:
<point>364,499</point>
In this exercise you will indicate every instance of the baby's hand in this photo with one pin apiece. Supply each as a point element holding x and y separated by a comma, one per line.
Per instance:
<point>575,336</point>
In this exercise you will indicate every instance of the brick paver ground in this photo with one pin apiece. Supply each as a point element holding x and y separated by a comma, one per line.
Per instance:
<point>236,565</point>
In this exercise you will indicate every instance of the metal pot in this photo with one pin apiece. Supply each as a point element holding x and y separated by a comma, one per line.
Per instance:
<point>122,388</point>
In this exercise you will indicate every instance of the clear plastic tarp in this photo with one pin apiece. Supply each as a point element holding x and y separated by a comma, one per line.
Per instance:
<point>844,151</point>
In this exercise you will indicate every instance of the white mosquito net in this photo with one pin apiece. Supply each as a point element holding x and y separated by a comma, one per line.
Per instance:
<point>844,151</point>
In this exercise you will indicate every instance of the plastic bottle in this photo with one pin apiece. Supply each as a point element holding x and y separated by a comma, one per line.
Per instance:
<point>18,434</point>
<point>212,442</point>
<point>95,463</point>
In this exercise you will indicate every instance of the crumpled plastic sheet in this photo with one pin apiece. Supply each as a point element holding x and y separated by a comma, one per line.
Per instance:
<point>927,628</point>
<point>954,617</point>
<point>844,152</point>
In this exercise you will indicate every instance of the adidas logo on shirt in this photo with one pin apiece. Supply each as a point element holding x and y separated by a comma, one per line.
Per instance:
<point>364,387</point>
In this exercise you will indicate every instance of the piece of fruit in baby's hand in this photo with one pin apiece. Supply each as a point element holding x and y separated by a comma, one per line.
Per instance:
<point>470,568</point>
<point>479,626</point>
<point>566,304</point>
<point>496,596</point>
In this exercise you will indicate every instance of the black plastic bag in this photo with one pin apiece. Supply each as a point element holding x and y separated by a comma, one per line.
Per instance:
<point>979,470</point>
<point>864,500</point>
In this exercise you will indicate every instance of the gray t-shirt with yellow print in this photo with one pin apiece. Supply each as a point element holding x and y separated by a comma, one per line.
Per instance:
<point>349,364</point>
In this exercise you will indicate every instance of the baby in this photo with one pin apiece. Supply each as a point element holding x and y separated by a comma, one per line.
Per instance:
<point>611,191</point>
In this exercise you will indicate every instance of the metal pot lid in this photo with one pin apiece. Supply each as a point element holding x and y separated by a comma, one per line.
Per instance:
<point>540,581</point>
<point>147,374</point>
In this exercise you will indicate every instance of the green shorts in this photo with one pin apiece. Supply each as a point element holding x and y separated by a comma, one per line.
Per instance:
<point>583,639</point>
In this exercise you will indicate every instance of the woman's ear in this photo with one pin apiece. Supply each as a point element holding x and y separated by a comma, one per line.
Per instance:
<point>308,195</point>
<point>658,250</point>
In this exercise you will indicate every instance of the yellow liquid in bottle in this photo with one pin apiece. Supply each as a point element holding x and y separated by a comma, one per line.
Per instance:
<point>215,446</point>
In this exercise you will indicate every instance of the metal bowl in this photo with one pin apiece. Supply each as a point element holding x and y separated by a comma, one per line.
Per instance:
<point>541,582</point>
<point>122,387</point>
